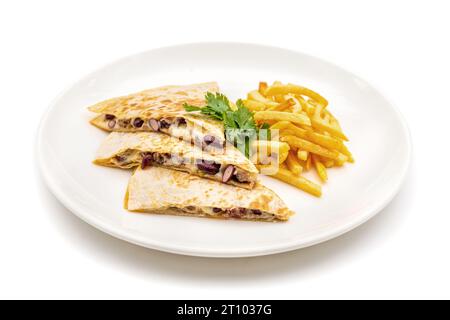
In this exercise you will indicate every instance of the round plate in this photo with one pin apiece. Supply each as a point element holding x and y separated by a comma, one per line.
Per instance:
<point>379,140</point>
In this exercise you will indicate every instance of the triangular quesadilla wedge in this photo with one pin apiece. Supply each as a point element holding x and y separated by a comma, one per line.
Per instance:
<point>128,150</point>
<point>164,191</point>
<point>161,110</point>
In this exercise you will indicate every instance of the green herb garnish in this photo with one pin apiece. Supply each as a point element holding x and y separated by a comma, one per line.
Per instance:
<point>240,127</point>
<point>217,105</point>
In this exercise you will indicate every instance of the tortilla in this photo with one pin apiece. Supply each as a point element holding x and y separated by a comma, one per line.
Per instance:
<point>128,150</point>
<point>164,191</point>
<point>161,109</point>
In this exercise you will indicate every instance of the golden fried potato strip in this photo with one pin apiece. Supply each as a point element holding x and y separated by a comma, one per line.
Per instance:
<point>293,163</point>
<point>299,182</point>
<point>313,148</point>
<point>320,168</point>
<point>320,139</point>
<point>277,89</point>
<point>282,116</point>
<point>256,96</point>
<point>324,121</point>
<point>302,154</point>
<point>262,87</point>
<point>266,149</point>
<point>254,105</point>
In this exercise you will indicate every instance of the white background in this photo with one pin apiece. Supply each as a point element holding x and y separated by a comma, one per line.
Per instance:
<point>402,47</point>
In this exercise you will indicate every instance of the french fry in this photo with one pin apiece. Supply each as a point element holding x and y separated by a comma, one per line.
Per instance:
<point>270,122</point>
<point>288,132</point>
<point>317,138</point>
<point>304,134</point>
<point>282,116</point>
<point>300,99</point>
<point>320,168</point>
<point>279,98</point>
<point>308,107</point>
<point>276,89</point>
<point>282,156</point>
<point>346,152</point>
<point>254,105</point>
<point>256,96</point>
<point>303,164</point>
<point>302,154</point>
<point>262,87</point>
<point>299,182</point>
<point>280,107</point>
<point>280,125</point>
<point>271,146</point>
<point>341,160</point>
<point>293,164</point>
<point>308,163</point>
<point>324,141</point>
<point>267,148</point>
<point>326,123</point>
<point>328,163</point>
<point>313,148</point>
<point>296,106</point>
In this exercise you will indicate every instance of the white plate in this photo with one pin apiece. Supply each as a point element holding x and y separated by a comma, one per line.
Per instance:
<point>379,139</point>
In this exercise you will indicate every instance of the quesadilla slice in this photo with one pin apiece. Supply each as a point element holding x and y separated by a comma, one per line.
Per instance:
<point>164,191</point>
<point>128,150</point>
<point>161,110</point>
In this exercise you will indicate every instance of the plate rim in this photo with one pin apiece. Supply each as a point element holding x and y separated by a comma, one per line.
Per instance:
<point>205,252</point>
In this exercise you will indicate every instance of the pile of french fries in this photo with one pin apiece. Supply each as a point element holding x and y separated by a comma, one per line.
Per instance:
<point>305,134</point>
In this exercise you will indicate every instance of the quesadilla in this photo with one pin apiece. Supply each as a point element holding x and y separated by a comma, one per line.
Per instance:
<point>161,110</point>
<point>164,191</point>
<point>128,150</point>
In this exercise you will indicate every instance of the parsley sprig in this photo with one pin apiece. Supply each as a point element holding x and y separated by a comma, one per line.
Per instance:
<point>240,126</point>
<point>216,106</point>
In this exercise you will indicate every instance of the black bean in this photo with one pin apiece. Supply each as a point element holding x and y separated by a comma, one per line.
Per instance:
<point>228,173</point>
<point>111,124</point>
<point>161,158</point>
<point>208,166</point>
<point>145,163</point>
<point>154,124</point>
<point>138,122</point>
<point>120,158</point>
<point>208,139</point>
<point>236,212</point>
<point>257,212</point>
<point>109,117</point>
<point>180,121</point>
<point>164,123</point>
<point>217,210</point>
<point>146,160</point>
